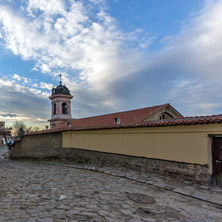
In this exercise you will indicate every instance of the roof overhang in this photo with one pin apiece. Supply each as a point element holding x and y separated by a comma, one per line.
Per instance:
<point>61,95</point>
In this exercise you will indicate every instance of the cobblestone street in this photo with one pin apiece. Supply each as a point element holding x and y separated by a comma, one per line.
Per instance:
<point>55,191</point>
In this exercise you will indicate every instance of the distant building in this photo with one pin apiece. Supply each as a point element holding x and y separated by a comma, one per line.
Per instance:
<point>61,113</point>
<point>2,125</point>
<point>2,130</point>
<point>155,139</point>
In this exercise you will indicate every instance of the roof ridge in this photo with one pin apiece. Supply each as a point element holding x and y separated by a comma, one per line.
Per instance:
<point>193,117</point>
<point>160,106</point>
<point>154,111</point>
<point>159,123</point>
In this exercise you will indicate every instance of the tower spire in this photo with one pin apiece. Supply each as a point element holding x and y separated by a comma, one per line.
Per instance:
<point>60,104</point>
<point>60,78</point>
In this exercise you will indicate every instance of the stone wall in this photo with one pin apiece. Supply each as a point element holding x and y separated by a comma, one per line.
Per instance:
<point>50,146</point>
<point>184,171</point>
<point>37,146</point>
<point>1,140</point>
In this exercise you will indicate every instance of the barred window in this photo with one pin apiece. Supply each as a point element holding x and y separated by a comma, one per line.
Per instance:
<point>64,108</point>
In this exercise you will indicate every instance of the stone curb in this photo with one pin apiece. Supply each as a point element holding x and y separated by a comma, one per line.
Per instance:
<point>188,191</point>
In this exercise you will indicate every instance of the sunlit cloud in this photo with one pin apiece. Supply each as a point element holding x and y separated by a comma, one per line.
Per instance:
<point>105,68</point>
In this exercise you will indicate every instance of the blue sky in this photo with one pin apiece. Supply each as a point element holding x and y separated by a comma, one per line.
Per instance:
<point>114,55</point>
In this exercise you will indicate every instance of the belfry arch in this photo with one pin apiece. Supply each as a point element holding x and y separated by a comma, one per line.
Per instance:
<point>61,105</point>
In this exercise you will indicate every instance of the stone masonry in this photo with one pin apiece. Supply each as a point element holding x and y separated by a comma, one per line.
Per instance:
<point>47,146</point>
<point>50,191</point>
<point>184,171</point>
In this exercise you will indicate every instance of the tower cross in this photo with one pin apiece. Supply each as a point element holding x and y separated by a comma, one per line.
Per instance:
<point>60,76</point>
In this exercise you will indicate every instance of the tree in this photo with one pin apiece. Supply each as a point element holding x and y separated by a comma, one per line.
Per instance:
<point>35,129</point>
<point>28,129</point>
<point>18,127</point>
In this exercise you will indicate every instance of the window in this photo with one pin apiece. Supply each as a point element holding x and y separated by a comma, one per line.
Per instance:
<point>64,108</point>
<point>117,120</point>
<point>54,108</point>
<point>162,117</point>
<point>165,116</point>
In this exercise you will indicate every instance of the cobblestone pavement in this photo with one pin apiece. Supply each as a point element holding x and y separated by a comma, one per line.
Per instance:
<point>55,191</point>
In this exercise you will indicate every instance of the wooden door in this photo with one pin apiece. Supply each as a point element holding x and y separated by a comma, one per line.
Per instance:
<point>217,161</point>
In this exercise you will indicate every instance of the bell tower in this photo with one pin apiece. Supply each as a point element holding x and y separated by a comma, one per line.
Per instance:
<point>60,104</point>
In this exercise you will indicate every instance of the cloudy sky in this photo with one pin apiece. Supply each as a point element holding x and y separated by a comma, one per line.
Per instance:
<point>114,55</point>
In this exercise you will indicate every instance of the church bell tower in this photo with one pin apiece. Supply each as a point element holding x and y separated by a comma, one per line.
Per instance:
<point>60,104</point>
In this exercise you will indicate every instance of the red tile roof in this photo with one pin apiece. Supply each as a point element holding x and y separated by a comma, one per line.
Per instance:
<point>126,117</point>
<point>129,119</point>
<point>197,120</point>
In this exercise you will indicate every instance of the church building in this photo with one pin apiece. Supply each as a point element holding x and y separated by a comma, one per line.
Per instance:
<point>61,105</point>
<point>61,113</point>
<point>155,139</point>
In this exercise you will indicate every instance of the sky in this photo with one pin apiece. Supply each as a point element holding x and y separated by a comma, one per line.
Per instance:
<point>114,55</point>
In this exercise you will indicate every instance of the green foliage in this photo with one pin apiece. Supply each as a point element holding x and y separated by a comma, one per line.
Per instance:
<point>19,128</point>
<point>16,127</point>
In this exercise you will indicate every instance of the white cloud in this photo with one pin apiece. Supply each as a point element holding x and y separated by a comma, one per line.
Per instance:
<point>98,1</point>
<point>15,76</point>
<point>45,68</point>
<point>44,85</point>
<point>195,55</point>
<point>22,102</point>
<point>49,7</point>
<point>105,69</point>
<point>71,40</point>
